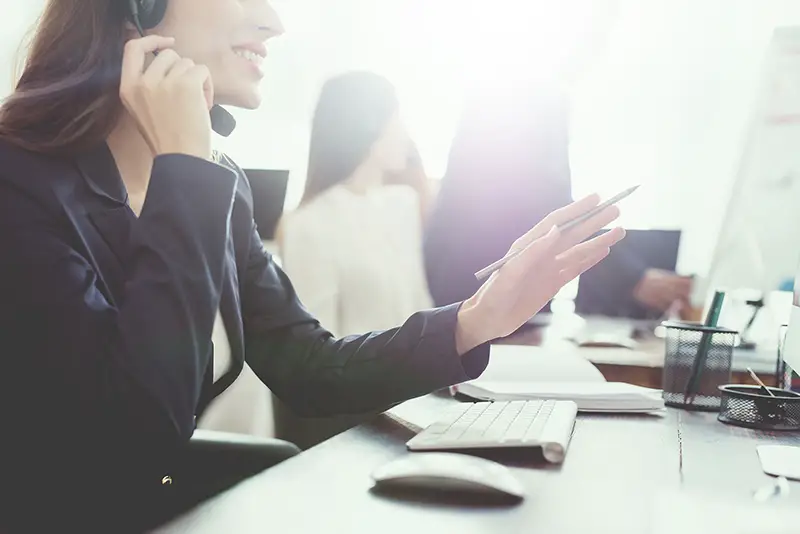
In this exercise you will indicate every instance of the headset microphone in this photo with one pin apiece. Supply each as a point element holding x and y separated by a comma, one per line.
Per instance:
<point>222,122</point>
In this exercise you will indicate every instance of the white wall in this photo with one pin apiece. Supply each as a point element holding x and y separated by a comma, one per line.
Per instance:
<point>16,20</point>
<point>665,106</point>
<point>668,107</point>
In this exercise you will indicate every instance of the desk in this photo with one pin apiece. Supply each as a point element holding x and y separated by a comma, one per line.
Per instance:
<point>614,469</point>
<point>642,366</point>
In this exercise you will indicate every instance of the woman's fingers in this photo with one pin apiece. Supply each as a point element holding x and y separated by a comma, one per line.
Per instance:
<point>557,218</point>
<point>179,69</point>
<point>587,229</point>
<point>544,254</point>
<point>585,248</point>
<point>535,252</point>
<point>136,50</point>
<point>160,66</point>
<point>574,270</point>
<point>571,211</point>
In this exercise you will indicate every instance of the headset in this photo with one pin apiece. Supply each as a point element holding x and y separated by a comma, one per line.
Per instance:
<point>145,15</point>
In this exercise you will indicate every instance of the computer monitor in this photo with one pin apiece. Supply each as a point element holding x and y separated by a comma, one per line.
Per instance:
<point>655,249</point>
<point>759,240</point>
<point>269,195</point>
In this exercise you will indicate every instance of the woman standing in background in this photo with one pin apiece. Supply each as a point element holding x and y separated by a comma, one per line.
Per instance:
<point>508,168</point>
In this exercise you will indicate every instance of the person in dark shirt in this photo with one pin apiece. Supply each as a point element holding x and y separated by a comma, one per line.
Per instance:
<point>508,168</point>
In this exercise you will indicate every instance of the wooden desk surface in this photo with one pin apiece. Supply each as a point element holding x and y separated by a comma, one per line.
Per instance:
<point>615,468</point>
<point>642,366</point>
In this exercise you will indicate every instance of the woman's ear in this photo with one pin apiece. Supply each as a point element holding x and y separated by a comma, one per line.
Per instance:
<point>130,31</point>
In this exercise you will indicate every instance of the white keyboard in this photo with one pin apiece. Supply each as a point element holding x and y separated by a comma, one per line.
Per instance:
<point>487,425</point>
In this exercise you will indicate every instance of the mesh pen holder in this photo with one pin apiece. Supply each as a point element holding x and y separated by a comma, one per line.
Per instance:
<point>702,352</point>
<point>752,407</point>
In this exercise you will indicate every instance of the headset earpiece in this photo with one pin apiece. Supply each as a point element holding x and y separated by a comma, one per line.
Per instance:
<point>148,12</point>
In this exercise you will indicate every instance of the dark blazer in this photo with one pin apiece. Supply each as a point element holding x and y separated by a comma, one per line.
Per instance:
<point>106,319</point>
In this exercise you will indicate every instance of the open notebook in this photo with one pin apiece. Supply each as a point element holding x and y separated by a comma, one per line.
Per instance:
<point>532,373</point>
<point>590,397</point>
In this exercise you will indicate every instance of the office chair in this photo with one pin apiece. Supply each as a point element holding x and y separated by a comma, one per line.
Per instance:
<point>227,459</point>
<point>211,463</point>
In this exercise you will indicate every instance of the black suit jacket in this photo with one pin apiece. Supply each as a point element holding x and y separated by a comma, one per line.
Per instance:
<point>106,319</point>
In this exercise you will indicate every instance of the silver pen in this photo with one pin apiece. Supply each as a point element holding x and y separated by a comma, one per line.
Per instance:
<point>488,270</point>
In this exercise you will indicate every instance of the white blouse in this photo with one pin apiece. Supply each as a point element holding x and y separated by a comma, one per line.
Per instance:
<point>222,347</point>
<point>355,260</point>
<point>243,408</point>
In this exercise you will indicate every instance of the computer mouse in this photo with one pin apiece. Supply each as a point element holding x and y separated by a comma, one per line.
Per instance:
<point>449,472</point>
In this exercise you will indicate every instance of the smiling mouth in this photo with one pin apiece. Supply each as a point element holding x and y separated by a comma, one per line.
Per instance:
<point>253,57</point>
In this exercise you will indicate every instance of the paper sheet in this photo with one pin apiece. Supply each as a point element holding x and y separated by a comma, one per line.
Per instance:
<point>693,513</point>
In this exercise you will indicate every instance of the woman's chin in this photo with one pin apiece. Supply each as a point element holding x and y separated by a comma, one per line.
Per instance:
<point>240,99</point>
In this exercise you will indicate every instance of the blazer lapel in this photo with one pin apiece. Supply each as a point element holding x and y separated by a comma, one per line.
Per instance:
<point>113,222</point>
<point>106,224</point>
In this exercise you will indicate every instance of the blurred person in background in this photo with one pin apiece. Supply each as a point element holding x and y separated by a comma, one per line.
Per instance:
<point>353,248</point>
<point>509,167</point>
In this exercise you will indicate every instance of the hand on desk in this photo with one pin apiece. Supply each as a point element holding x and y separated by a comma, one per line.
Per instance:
<point>658,290</point>
<point>522,287</point>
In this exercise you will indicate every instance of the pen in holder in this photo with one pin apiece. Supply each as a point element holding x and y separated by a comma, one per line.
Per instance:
<point>760,407</point>
<point>697,361</point>
<point>703,349</point>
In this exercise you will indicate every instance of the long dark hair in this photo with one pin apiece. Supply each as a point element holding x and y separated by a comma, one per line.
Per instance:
<point>67,97</point>
<point>351,114</point>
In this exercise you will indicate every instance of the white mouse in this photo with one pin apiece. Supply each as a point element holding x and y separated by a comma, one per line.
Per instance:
<point>450,472</point>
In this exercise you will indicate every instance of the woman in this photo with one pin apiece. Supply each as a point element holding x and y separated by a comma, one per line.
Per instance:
<point>124,239</point>
<point>353,248</point>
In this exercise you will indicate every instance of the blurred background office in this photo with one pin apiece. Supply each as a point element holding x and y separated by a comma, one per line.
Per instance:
<point>658,92</point>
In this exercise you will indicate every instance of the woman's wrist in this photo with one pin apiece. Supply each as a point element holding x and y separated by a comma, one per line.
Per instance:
<point>470,327</point>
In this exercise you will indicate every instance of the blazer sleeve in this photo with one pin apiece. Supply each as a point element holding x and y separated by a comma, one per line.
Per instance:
<point>131,370</point>
<point>306,257</point>
<point>318,375</point>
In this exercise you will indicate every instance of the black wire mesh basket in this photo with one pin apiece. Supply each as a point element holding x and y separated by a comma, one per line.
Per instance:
<point>697,361</point>
<point>753,407</point>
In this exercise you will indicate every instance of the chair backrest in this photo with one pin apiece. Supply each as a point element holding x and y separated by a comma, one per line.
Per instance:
<point>269,196</point>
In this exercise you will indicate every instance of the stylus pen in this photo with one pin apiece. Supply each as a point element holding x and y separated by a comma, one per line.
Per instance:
<point>487,271</point>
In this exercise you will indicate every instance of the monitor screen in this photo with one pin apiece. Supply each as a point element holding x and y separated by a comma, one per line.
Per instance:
<point>597,288</point>
<point>269,195</point>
